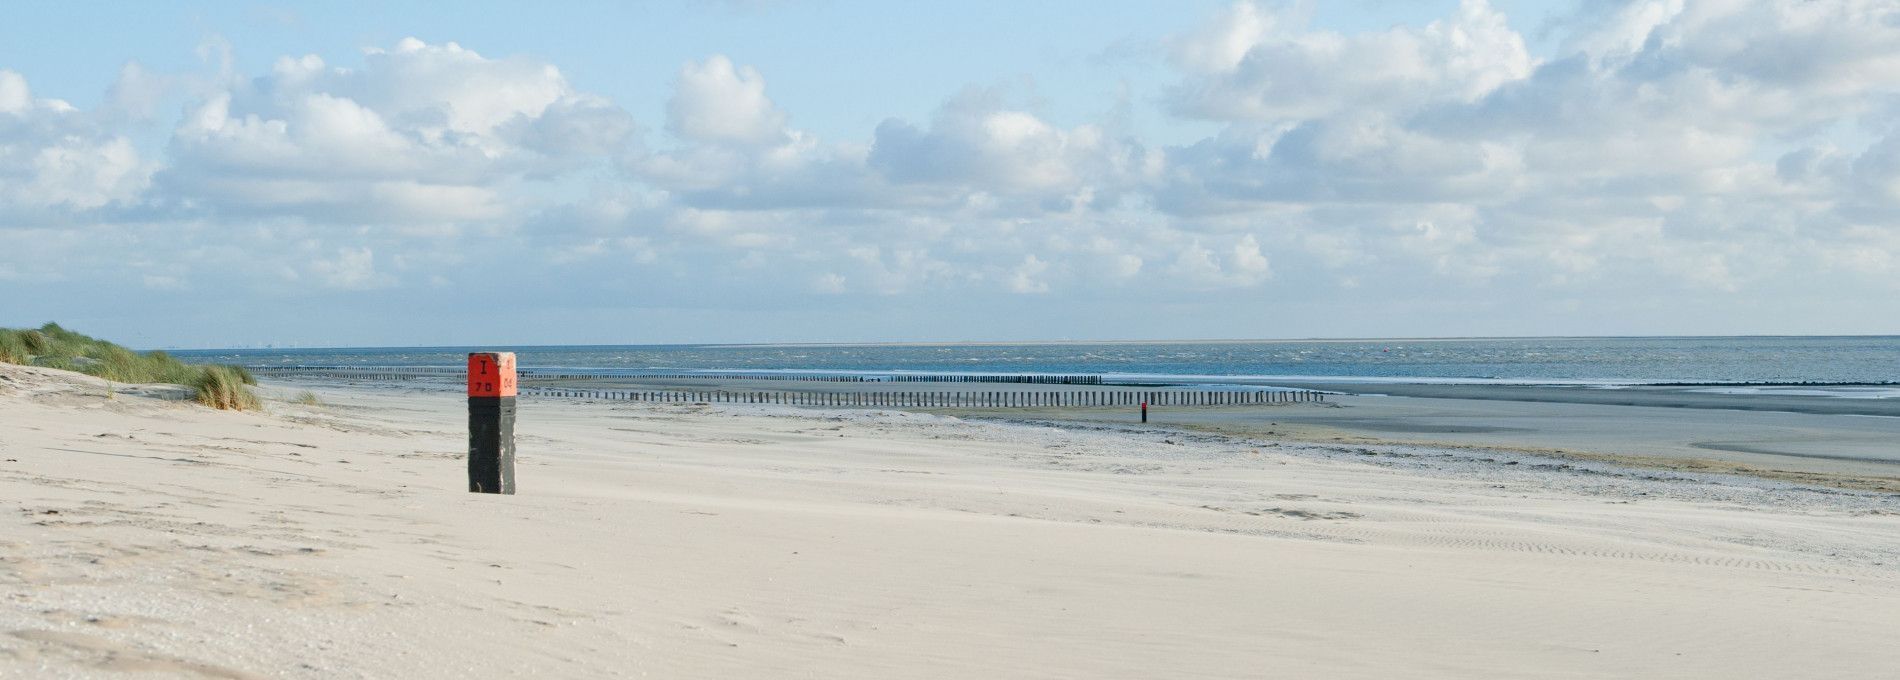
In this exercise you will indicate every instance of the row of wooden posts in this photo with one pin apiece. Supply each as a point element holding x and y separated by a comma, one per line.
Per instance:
<point>376,373</point>
<point>1024,379</point>
<point>543,374</point>
<point>399,372</point>
<point>1009,399</point>
<point>402,372</point>
<point>355,375</point>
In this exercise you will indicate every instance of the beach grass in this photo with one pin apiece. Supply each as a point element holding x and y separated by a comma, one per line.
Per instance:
<point>51,346</point>
<point>222,387</point>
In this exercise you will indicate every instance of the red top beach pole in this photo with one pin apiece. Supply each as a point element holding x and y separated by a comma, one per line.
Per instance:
<point>491,422</point>
<point>1144,411</point>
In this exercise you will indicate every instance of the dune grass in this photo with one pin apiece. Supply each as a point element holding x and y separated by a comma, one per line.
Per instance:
<point>223,387</point>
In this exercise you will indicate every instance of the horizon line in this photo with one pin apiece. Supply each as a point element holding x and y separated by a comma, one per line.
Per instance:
<point>995,343</point>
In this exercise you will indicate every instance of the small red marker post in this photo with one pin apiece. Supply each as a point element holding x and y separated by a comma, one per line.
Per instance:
<point>491,422</point>
<point>1144,411</point>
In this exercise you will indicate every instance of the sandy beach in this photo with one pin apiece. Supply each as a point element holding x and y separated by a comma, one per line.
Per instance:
<point>155,537</point>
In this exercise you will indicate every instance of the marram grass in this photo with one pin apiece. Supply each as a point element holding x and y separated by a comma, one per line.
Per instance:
<point>13,347</point>
<point>224,387</point>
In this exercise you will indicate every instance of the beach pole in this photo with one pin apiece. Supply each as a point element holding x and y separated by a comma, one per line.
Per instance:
<point>1144,411</point>
<point>491,422</point>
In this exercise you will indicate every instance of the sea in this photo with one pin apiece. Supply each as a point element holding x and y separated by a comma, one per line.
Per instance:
<point>1805,360</point>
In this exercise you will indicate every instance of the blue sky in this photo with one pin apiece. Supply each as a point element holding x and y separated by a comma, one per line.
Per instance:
<point>843,66</point>
<point>199,174</point>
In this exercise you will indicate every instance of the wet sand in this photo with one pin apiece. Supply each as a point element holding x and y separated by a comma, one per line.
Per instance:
<point>1847,451</point>
<point>1844,442</point>
<point>1683,397</point>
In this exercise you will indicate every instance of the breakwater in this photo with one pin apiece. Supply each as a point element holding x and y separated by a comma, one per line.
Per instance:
<point>944,398</point>
<point>869,391</point>
<point>401,372</point>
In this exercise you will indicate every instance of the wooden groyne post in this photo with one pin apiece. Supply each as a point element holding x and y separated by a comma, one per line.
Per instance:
<point>491,422</point>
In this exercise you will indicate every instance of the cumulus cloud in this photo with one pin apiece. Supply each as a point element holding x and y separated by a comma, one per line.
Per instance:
<point>1660,129</point>
<point>419,133</point>
<point>1249,64</point>
<point>351,269</point>
<point>1026,278</point>
<point>1242,264</point>
<point>1365,157</point>
<point>978,152</point>
<point>978,143</point>
<point>54,157</point>
<point>736,150</point>
<point>716,101</point>
<point>15,96</point>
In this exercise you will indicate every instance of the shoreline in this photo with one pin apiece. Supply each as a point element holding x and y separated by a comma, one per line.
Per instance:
<point>1657,396</point>
<point>1649,430</point>
<point>1297,424</point>
<point>1820,439</point>
<point>1624,465</point>
<point>1720,442</point>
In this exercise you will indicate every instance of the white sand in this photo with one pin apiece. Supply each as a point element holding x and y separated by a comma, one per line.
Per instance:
<point>766,542</point>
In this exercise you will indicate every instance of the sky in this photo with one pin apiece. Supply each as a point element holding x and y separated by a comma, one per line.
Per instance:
<point>205,174</point>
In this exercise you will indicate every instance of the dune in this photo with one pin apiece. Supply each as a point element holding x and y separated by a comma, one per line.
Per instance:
<point>152,536</point>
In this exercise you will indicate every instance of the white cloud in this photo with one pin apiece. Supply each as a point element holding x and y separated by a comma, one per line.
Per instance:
<point>1359,158</point>
<point>442,91</point>
<point>736,151</point>
<point>1252,66</point>
<point>351,269</point>
<point>715,101</point>
<point>15,97</point>
<point>1241,265</point>
<point>1834,47</point>
<point>81,173</point>
<point>1222,42</point>
<point>1248,261</point>
<point>1657,145</point>
<point>420,133</point>
<point>978,153</point>
<point>1027,276</point>
<point>138,92</point>
<point>979,143</point>
<point>56,158</point>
